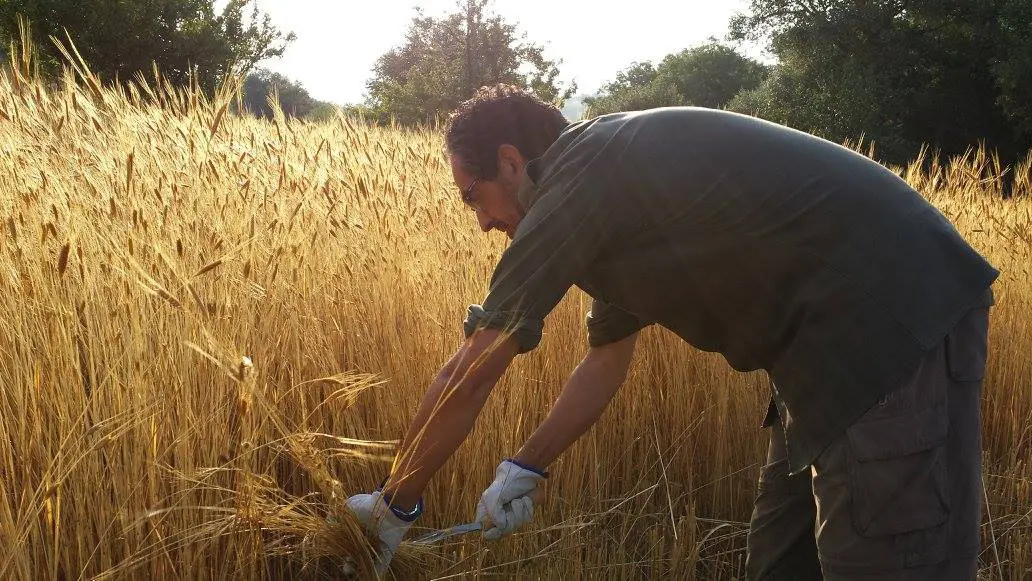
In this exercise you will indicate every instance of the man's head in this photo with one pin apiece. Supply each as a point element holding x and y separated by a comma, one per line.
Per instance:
<point>490,138</point>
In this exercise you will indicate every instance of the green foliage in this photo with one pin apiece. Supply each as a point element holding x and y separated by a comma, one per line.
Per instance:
<point>122,39</point>
<point>633,98</point>
<point>902,72</point>
<point>835,107</point>
<point>293,99</point>
<point>1013,68</point>
<point>444,60</point>
<point>324,111</point>
<point>709,75</point>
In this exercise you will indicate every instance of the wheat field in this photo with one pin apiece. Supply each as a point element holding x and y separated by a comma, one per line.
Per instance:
<point>214,328</point>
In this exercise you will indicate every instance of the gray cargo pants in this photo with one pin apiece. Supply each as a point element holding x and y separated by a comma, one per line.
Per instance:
<point>898,495</point>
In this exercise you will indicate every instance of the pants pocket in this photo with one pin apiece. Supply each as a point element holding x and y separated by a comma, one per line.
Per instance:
<point>898,473</point>
<point>967,346</point>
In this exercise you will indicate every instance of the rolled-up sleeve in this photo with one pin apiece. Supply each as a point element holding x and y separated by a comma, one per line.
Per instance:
<point>527,332</point>
<point>608,324</point>
<point>568,225</point>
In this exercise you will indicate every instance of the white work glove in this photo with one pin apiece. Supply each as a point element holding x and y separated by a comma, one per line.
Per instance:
<point>387,525</point>
<point>508,503</point>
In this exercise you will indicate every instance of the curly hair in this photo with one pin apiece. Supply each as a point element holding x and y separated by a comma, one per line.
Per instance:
<point>497,115</point>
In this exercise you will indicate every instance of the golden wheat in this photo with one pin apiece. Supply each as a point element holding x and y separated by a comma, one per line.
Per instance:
<point>214,328</point>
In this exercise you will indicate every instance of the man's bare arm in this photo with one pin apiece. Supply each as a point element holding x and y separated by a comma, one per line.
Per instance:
<point>584,397</point>
<point>448,410</point>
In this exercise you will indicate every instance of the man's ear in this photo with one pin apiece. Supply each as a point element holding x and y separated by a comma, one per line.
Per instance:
<point>510,162</point>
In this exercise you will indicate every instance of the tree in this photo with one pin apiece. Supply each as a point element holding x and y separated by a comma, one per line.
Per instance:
<point>294,99</point>
<point>635,76</point>
<point>120,39</point>
<point>1013,67</point>
<point>632,97</point>
<point>444,60</point>
<point>325,111</point>
<point>903,73</point>
<point>709,75</point>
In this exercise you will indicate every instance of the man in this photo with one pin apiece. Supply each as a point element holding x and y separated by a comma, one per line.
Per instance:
<point>781,251</point>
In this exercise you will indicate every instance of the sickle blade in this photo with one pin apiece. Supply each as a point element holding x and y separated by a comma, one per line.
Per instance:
<point>436,536</point>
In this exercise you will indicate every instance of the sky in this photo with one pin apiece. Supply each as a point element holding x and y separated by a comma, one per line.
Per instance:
<point>338,41</point>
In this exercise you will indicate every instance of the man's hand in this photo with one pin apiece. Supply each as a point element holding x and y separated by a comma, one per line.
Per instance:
<point>508,503</point>
<point>387,525</point>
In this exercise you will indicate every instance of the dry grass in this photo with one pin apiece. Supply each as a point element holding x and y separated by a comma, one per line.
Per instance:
<point>213,328</point>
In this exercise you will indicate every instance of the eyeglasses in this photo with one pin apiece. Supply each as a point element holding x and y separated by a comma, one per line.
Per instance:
<point>467,194</point>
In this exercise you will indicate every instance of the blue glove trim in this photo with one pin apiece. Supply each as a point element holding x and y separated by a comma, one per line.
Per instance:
<point>538,471</point>
<point>410,516</point>
<point>405,516</point>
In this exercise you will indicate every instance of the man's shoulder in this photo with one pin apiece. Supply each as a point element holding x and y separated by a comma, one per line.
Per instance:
<point>583,139</point>
<point>649,126</point>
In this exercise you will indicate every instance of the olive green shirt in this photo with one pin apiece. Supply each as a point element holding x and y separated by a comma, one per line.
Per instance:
<point>777,249</point>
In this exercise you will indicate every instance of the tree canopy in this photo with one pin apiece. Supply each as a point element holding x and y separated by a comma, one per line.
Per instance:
<point>120,39</point>
<point>293,99</point>
<point>948,73</point>
<point>443,61</point>
<point>709,75</point>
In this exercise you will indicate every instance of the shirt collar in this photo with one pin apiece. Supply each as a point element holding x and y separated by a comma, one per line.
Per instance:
<point>528,192</point>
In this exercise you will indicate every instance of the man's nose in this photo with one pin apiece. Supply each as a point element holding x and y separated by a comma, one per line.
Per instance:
<point>485,221</point>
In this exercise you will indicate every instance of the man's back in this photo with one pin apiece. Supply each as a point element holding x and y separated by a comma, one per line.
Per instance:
<point>780,250</point>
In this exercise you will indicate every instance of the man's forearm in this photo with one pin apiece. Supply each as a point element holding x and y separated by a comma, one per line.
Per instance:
<point>585,396</point>
<point>442,423</point>
<point>446,414</point>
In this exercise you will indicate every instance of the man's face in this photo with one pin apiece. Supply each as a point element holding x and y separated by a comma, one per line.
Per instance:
<point>494,201</point>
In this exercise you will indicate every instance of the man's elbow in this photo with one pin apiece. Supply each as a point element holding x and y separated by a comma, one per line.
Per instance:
<point>462,386</point>
<point>473,371</point>
<point>614,359</point>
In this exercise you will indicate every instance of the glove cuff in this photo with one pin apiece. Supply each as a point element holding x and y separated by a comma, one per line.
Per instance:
<point>404,516</point>
<point>538,471</point>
